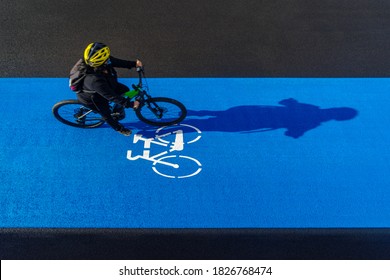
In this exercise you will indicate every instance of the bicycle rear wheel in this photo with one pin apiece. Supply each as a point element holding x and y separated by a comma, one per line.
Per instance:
<point>73,113</point>
<point>161,111</point>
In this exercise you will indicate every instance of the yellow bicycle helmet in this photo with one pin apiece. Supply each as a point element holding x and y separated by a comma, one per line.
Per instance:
<point>96,54</point>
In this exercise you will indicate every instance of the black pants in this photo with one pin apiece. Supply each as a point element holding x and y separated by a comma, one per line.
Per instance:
<point>100,104</point>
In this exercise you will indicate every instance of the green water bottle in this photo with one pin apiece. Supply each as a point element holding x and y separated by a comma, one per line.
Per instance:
<point>131,93</point>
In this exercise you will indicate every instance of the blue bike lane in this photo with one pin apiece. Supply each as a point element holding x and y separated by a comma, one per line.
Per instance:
<point>253,152</point>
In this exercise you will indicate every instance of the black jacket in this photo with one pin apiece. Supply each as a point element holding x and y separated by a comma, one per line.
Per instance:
<point>105,84</point>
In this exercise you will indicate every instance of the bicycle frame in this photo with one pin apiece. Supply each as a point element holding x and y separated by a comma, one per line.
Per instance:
<point>142,96</point>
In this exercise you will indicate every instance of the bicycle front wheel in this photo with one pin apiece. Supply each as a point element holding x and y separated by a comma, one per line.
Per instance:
<point>161,111</point>
<point>74,113</point>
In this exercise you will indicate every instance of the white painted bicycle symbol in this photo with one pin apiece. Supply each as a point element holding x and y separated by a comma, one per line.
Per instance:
<point>169,163</point>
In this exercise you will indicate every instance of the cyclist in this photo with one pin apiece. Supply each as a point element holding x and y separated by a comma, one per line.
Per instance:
<point>101,85</point>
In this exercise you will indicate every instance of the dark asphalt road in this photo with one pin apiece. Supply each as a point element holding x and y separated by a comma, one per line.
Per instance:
<point>201,38</point>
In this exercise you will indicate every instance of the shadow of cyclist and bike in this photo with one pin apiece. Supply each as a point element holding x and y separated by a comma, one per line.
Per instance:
<point>295,117</point>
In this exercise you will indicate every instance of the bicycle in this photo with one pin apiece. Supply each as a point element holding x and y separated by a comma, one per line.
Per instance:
<point>158,111</point>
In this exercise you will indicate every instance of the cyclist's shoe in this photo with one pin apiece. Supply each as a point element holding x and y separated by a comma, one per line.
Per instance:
<point>125,131</point>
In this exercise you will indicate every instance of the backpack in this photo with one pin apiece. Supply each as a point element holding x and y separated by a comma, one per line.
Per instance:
<point>77,75</point>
